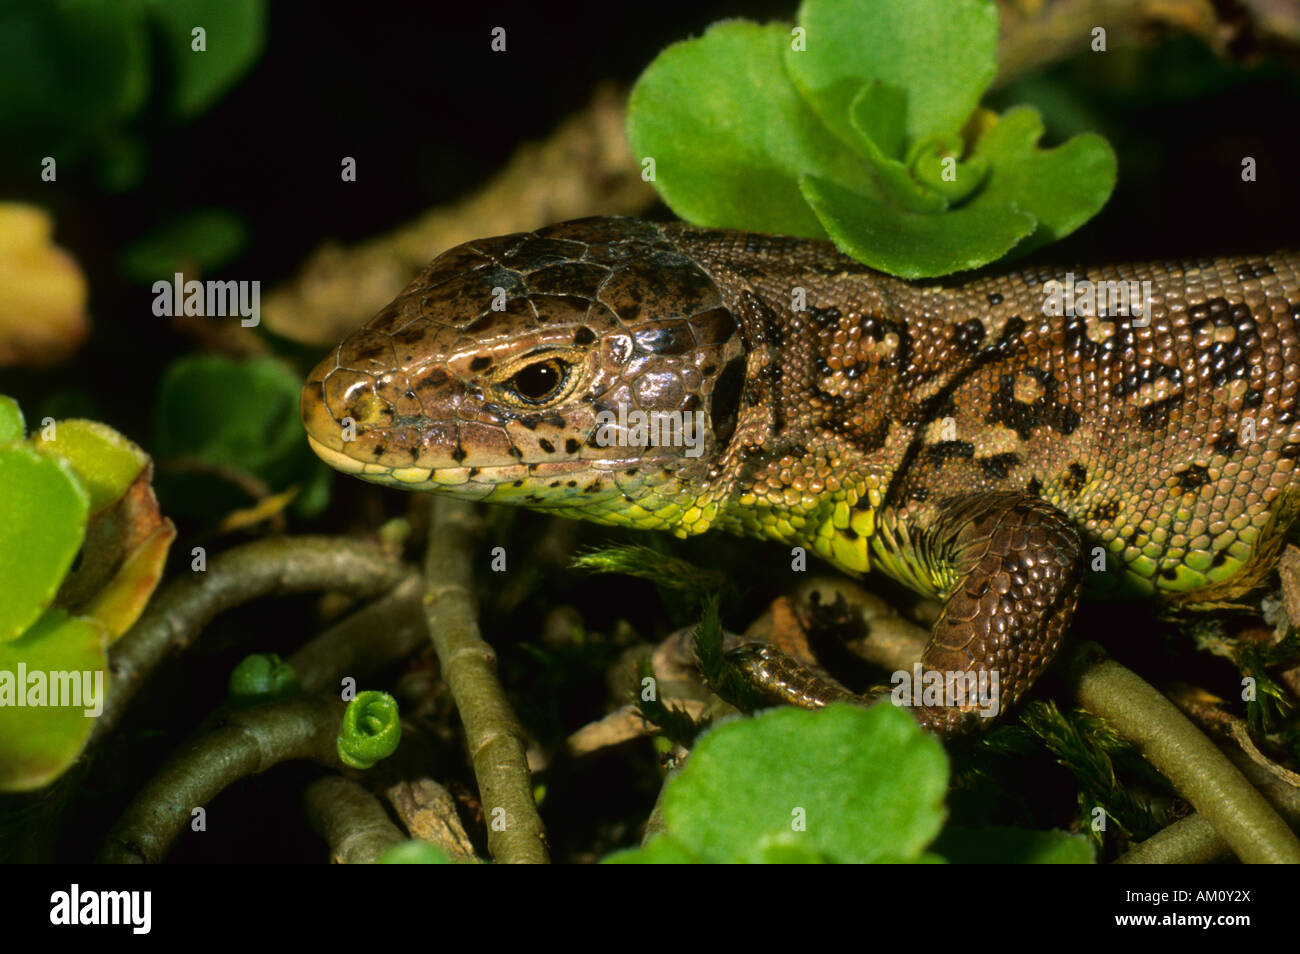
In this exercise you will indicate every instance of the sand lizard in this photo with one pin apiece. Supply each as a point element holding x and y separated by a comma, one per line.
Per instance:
<point>951,434</point>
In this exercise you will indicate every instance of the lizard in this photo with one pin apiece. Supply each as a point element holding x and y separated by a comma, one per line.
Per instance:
<point>962,436</point>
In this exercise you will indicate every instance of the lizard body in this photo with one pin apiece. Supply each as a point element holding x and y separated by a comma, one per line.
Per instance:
<point>953,434</point>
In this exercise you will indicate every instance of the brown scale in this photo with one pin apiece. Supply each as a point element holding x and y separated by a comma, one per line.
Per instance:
<point>984,447</point>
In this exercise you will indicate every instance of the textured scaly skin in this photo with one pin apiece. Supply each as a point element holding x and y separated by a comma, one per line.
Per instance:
<point>950,434</point>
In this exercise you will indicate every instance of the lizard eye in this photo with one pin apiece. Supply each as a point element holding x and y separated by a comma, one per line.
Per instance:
<point>540,381</point>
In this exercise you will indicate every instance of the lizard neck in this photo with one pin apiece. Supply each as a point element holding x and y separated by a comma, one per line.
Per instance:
<point>849,377</point>
<point>819,437</point>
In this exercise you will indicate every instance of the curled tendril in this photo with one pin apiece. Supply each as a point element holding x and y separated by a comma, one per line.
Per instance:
<point>371,729</point>
<point>262,677</point>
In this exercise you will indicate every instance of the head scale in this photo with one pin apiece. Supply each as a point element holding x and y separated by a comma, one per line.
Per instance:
<point>589,368</point>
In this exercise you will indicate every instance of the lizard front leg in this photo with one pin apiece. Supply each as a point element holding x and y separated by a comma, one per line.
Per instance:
<point>1015,561</point>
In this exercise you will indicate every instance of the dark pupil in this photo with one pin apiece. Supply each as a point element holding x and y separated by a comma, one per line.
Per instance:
<point>537,381</point>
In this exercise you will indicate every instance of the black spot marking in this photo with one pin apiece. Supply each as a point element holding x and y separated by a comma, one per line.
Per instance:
<point>436,378</point>
<point>571,445</point>
<point>995,298</point>
<point>999,466</point>
<point>1248,270</point>
<point>546,445</point>
<point>824,316</point>
<point>1023,418</point>
<point>584,336</point>
<point>1194,477</point>
<point>479,363</point>
<point>1074,480</point>
<point>1034,488</point>
<point>970,335</point>
<point>458,454</point>
<point>474,472</point>
<point>1130,383</point>
<point>1104,512</point>
<point>1158,414</point>
<point>950,450</point>
<point>1225,439</point>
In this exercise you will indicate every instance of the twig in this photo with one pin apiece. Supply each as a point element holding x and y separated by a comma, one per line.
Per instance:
<point>350,819</point>
<point>248,742</point>
<point>389,629</point>
<point>429,813</point>
<point>1183,754</point>
<point>494,737</point>
<point>176,616</point>
<point>1193,840</point>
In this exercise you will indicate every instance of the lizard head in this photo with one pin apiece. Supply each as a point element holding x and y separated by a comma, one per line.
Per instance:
<point>589,368</point>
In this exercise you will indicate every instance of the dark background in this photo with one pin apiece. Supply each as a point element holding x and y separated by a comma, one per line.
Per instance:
<point>415,94</point>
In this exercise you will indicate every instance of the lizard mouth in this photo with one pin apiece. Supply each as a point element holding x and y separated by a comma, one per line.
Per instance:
<point>505,483</point>
<point>339,460</point>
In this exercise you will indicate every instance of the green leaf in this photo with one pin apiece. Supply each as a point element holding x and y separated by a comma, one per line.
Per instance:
<point>105,462</point>
<point>843,783</point>
<point>730,143</point>
<point>942,52</point>
<point>235,32</point>
<point>232,417</point>
<point>38,742</point>
<point>12,426</point>
<point>659,850</point>
<point>876,114</point>
<point>874,123</point>
<point>43,512</point>
<point>1062,187</point>
<point>933,161</point>
<point>200,241</point>
<point>414,852</point>
<point>1014,846</point>
<point>69,71</point>
<point>916,245</point>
